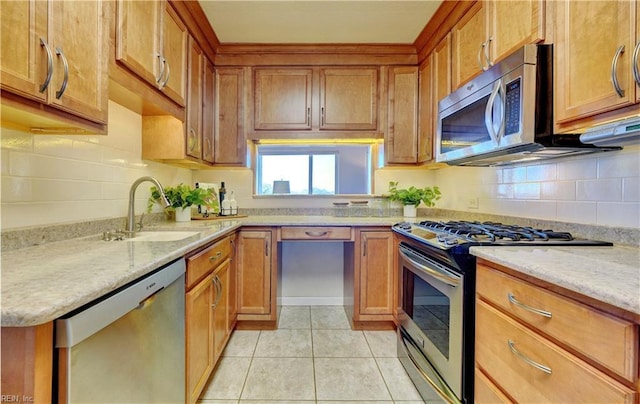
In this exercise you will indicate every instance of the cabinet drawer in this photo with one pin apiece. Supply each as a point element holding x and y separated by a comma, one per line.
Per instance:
<point>315,233</point>
<point>607,340</point>
<point>204,261</point>
<point>487,392</point>
<point>512,367</point>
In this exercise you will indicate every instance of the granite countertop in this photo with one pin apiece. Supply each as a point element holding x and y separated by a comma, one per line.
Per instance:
<point>43,282</point>
<point>608,274</point>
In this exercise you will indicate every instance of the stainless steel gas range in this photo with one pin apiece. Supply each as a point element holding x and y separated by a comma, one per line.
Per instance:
<point>437,294</point>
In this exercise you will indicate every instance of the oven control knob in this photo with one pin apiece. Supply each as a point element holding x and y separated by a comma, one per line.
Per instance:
<point>405,226</point>
<point>451,240</point>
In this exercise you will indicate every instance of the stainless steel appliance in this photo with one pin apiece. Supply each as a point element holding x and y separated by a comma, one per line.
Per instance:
<point>505,115</point>
<point>128,347</point>
<point>437,292</point>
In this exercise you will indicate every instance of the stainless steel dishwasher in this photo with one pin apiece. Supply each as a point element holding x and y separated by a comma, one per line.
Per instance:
<point>127,347</point>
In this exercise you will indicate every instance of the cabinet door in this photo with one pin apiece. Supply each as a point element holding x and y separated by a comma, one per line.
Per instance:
<point>513,24</point>
<point>426,125</point>
<point>469,39</point>
<point>194,100</point>
<point>401,140</point>
<point>23,61</point>
<point>138,38</point>
<point>588,36</point>
<point>199,336</point>
<point>221,329</point>
<point>208,111</point>
<point>441,73</point>
<point>80,79</point>
<point>376,272</point>
<point>349,99</point>
<point>282,99</point>
<point>254,272</point>
<point>174,46</point>
<point>230,138</point>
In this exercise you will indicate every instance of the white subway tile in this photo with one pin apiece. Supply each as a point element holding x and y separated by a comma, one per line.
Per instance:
<point>558,190</point>
<point>619,164</point>
<point>631,189</point>
<point>599,190</point>
<point>20,164</point>
<point>514,174</point>
<point>529,190</point>
<point>54,146</point>
<point>619,214</point>
<point>543,172</point>
<point>502,191</point>
<point>16,189</point>
<point>577,212</point>
<point>540,210</point>
<point>585,168</point>
<point>11,139</point>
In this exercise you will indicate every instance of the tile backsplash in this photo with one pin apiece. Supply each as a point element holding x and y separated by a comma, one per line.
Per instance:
<point>63,179</point>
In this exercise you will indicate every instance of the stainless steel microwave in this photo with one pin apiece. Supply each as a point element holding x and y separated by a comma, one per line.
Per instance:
<point>505,115</point>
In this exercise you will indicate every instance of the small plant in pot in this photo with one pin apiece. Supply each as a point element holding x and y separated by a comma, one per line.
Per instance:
<point>182,197</point>
<point>412,197</point>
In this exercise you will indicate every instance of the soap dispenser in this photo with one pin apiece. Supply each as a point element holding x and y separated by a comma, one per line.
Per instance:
<point>226,206</point>
<point>233,204</point>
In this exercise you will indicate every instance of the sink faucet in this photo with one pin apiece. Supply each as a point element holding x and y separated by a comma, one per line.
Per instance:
<point>130,230</point>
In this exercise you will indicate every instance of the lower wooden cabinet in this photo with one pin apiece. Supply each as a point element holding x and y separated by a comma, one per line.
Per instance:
<point>209,315</point>
<point>534,345</point>
<point>369,279</point>
<point>257,266</point>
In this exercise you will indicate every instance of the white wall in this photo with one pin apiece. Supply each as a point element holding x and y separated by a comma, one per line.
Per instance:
<point>49,179</point>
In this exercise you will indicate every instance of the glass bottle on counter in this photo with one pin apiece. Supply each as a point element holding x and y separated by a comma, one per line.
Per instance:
<point>221,193</point>
<point>233,204</point>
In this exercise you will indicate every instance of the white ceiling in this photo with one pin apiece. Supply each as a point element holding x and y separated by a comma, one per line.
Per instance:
<point>319,21</point>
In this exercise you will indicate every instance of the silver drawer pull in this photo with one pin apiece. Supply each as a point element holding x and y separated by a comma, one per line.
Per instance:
<point>515,301</point>
<point>539,366</point>
<point>316,233</point>
<point>215,257</point>
<point>614,72</point>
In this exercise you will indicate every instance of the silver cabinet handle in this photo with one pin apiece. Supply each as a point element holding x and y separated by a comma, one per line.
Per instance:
<point>192,140</point>
<point>166,80</point>
<point>539,366</point>
<point>47,80</point>
<point>308,115</point>
<point>614,68</point>
<point>636,72</point>
<point>480,52</point>
<point>218,284</point>
<point>515,301</point>
<point>215,285</point>
<point>316,233</point>
<point>65,80</point>
<point>322,116</point>
<point>266,247</point>
<point>233,249</point>
<point>486,53</point>
<point>163,63</point>
<point>216,256</point>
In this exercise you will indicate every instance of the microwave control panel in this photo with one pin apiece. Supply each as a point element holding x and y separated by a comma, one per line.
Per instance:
<point>513,99</point>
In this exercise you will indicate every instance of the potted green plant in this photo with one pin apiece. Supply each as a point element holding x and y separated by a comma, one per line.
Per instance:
<point>182,197</point>
<point>412,197</point>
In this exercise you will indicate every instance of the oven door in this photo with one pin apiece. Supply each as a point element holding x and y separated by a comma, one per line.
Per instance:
<point>431,331</point>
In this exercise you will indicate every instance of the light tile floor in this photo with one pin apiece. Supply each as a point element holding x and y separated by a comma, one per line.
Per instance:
<point>313,357</point>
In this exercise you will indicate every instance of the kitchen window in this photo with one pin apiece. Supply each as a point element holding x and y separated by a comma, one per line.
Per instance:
<point>313,169</point>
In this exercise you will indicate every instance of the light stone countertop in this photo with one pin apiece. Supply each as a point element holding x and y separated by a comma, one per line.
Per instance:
<point>608,274</point>
<point>44,282</point>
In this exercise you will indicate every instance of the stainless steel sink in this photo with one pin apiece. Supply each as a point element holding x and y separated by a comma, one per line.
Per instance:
<point>162,235</point>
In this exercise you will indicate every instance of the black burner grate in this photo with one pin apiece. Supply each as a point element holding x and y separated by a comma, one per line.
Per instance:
<point>492,231</point>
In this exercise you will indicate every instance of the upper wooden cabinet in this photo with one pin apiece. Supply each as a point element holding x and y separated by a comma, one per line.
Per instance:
<point>194,114</point>
<point>315,99</point>
<point>151,41</point>
<point>593,54</point>
<point>426,108</point>
<point>230,144</point>
<point>349,99</point>
<point>55,53</point>
<point>491,30</point>
<point>282,99</point>
<point>401,140</point>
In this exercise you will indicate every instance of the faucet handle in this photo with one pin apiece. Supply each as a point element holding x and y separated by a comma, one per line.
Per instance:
<point>139,225</point>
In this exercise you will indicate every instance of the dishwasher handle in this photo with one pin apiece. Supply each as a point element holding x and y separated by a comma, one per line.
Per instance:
<point>72,330</point>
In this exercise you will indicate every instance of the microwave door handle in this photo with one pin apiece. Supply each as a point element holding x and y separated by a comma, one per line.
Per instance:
<point>488,112</point>
<point>503,115</point>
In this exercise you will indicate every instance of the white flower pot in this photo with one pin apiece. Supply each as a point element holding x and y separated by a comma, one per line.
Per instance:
<point>409,211</point>
<point>183,215</point>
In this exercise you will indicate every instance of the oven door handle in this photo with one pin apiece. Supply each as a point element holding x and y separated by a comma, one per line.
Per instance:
<point>430,267</point>
<point>426,370</point>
